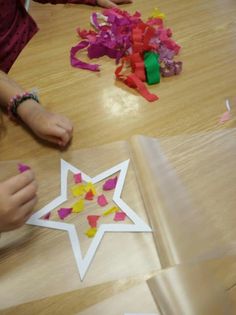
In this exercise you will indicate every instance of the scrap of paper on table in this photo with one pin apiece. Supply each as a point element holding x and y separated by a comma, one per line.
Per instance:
<point>78,178</point>
<point>78,206</point>
<point>110,211</point>
<point>226,115</point>
<point>102,201</point>
<point>92,220</point>
<point>64,212</point>
<point>157,14</point>
<point>91,232</point>
<point>90,186</point>
<point>78,190</point>
<point>23,167</point>
<point>110,184</point>
<point>47,216</point>
<point>119,216</point>
<point>89,195</point>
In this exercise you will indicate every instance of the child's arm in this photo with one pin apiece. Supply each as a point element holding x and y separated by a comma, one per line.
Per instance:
<point>48,126</point>
<point>101,3</point>
<point>17,200</point>
<point>111,3</point>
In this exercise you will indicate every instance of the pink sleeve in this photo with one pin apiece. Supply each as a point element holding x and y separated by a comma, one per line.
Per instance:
<point>91,2</point>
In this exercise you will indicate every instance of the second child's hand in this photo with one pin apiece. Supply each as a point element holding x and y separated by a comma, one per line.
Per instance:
<point>112,3</point>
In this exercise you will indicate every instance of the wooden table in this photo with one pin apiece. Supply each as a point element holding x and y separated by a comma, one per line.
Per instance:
<point>103,110</point>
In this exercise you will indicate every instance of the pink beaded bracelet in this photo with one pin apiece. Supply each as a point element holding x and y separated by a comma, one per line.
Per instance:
<point>15,102</point>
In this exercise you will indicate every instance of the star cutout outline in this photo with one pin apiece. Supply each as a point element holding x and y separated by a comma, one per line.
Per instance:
<point>138,225</point>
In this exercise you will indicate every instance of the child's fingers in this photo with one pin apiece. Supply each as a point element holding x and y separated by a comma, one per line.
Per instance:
<point>54,140</point>
<point>29,213</point>
<point>57,135</point>
<point>65,123</point>
<point>62,134</point>
<point>25,212</point>
<point>28,208</point>
<point>19,181</point>
<point>25,194</point>
<point>122,1</point>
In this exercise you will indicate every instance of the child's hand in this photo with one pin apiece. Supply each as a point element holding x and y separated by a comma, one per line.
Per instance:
<point>48,126</point>
<point>17,200</point>
<point>111,3</point>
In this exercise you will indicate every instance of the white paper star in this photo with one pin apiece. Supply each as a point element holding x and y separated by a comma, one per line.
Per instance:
<point>137,226</point>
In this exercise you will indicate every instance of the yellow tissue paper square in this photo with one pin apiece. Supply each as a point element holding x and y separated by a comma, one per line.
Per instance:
<point>91,232</point>
<point>110,211</point>
<point>78,190</point>
<point>90,186</point>
<point>78,206</point>
<point>158,14</point>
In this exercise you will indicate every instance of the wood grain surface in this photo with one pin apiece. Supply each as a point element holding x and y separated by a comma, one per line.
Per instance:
<point>104,111</point>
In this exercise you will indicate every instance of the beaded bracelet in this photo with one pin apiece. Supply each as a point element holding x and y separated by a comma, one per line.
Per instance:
<point>17,100</point>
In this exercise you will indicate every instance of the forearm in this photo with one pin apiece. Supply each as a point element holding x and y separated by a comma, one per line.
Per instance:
<point>8,89</point>
<point>91,2</point>
<point>48,126</point>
